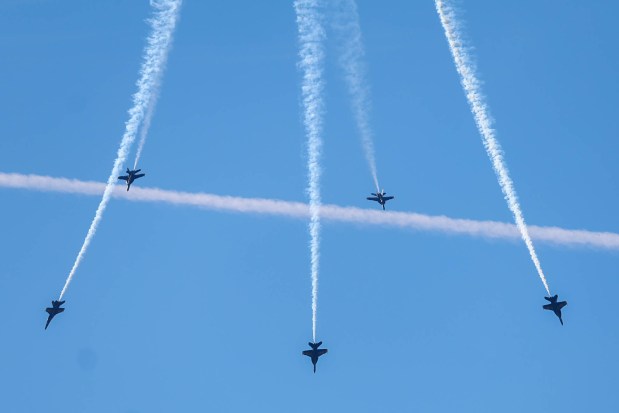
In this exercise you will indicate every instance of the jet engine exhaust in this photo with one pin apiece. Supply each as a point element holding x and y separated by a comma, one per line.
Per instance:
<point>351,61</point>
<point>311,56</point>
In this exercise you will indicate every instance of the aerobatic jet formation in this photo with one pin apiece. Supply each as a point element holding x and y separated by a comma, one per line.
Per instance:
<point>131,176</point>
<point>53,310</point>
<point>555,306</point>
<point>380,198</point>
<point>314,353</point>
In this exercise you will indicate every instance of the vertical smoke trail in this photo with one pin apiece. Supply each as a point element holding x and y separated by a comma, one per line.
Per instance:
<point>471,86</point>
<point>351,60</point>
<point>155,56</point>
<point>311,35</point>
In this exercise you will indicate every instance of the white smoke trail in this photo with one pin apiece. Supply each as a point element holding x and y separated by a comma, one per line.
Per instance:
<point>405,220</point>
<point>476,99</point>
<point>144,128</point>
<point>311,54</point>
<point>155,55</point>
<point>351,60</point>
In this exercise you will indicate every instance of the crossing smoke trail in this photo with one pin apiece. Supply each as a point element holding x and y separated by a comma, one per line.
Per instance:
<point>311,54</point>
<point>155,55</point>
<point>275,207</point>
<point>471,86</point>
<point>351,58</point>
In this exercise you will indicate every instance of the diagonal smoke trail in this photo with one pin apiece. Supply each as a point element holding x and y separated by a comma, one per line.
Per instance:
<point>491,230</point>
<point>351,60</point>
<point>311,54</point>
<point>476,99</point>
<point>155,56</point>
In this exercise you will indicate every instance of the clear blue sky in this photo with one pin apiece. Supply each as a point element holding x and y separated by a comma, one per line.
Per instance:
<point>180,309</point>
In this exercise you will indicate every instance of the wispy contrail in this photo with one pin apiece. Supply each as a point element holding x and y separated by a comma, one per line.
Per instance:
<point>476,99</point>
<point>351,60</point>
<point>155,56</point>
<point>406,220</point>
<point>311,54</point>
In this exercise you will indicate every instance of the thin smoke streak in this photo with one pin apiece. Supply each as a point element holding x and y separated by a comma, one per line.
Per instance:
<point>478,105</point>
<point>311,55</point>
<point>155,55</point>
<point>351,61</point>
<point>406,220</point>
<point>145,127</point>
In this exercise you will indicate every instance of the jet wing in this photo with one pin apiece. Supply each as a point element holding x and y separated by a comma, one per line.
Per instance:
<point>372,198</point>
<point>547,307</point>
<point>322,351</point>
<point>562,304</point>
<point>138,176</point>
<point>124,177</point>
<point>307,353</point>
<point>387,198</point>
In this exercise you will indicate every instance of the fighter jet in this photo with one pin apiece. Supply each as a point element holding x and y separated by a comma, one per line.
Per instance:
<point>314,353</point>
<point>53,310</point>
<point>555,306</point>
<point>380,198</point>
<point>131,176</point>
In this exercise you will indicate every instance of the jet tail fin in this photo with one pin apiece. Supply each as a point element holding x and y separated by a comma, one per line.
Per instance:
<point>315,345</point>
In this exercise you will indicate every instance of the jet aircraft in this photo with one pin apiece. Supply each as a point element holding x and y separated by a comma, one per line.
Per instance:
<point>131,176</point>
<point>380,198</point>
<point>555,306</point>
<point>314,353</point>
<point>53,310</point>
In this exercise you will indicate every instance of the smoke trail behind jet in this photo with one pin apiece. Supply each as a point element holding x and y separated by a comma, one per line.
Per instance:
<point>155,56</point>
<point>311,35</point>
<point>145,127</point>
<point>276,207</point>
<point>351,61</point>
<point>478,105</point>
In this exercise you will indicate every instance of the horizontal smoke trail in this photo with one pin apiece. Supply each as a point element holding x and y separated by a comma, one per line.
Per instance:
<point>472,87</point>
<point>155,55</point>
<point>406,220</point>
<point>311,36</point>
<point>351,60</point>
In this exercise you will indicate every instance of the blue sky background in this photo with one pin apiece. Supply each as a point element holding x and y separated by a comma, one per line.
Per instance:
<point>180,309</point>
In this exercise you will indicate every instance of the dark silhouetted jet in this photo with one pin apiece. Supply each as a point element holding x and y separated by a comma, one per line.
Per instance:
<point>53,310</point>
<point>314,353</point>
<point>380,198</point>
<point>131,176</point>
<point>555,306</point>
